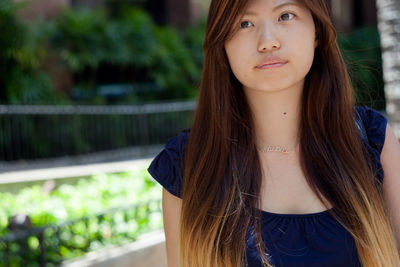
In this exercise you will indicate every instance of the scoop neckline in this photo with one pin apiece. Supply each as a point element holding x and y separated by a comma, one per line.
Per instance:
<point>297,215</point>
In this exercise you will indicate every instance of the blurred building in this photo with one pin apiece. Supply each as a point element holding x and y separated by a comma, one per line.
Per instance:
<point>350,14</point>
<point>33,9</point>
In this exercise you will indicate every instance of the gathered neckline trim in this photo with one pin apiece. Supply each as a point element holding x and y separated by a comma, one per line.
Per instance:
<point>297,215</point>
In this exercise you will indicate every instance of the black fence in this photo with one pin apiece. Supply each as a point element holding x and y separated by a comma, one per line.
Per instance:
<point>50,245</point>
<point>37,132</point>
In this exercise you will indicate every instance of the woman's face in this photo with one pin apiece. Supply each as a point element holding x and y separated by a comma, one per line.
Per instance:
<point>273,45</point>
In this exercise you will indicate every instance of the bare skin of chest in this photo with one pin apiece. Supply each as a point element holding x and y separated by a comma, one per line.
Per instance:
<point>284,187</point>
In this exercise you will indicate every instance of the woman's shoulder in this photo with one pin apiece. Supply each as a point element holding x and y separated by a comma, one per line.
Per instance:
<point>374,124</point>
<point>371,116</point>
<point>167,167</point>
<point>178,142</point>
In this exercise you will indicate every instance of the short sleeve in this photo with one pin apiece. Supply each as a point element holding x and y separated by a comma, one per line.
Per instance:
<point>167,167</point>
<point>375,127</point>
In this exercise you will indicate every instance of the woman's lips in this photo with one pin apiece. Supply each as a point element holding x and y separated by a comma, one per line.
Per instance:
<point>271,63</point>
<point>271,66</point>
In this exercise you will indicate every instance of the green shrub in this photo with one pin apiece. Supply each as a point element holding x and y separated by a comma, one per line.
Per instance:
<point>174,69</point>
<point>89,196</point>
<point>89,39</point>
<point>79,34</point>
<point>23,51</point>
<point>86,199</point>
<point>194,37</point>
<point>85,40</point>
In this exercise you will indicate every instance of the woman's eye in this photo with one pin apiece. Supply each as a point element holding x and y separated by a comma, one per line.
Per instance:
<point>245,24</point>
<point>286,16</point>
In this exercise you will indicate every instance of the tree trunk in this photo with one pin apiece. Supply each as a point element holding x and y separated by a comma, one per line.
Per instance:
<point>389,30</point>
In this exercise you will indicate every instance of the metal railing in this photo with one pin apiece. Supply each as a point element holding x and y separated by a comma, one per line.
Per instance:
<point>50,245</point>
<point>35,132</point>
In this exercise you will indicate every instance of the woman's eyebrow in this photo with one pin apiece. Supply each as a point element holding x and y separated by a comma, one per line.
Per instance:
<point>290,3</point>
<point>254,13</point>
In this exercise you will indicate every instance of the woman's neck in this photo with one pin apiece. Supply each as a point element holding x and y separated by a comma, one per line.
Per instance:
<point>276,116</point>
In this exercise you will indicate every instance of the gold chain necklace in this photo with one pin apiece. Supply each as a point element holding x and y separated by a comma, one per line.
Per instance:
<point>280,149</point>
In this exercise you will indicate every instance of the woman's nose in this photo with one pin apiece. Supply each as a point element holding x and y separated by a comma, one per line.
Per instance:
<point>268,41</point>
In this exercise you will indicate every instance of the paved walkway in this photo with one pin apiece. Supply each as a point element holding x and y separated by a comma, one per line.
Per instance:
<point>71,171</point>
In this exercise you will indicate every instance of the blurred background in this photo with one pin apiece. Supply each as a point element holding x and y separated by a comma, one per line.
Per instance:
<point>90,90</point>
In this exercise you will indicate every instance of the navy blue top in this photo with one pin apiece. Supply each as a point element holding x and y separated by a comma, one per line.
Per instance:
<point>314,239</point>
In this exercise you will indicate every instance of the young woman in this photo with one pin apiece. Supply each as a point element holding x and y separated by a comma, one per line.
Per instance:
<point>279,168</point>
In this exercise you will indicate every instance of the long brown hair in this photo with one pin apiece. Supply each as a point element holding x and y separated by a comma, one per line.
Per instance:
<point>222,177</point>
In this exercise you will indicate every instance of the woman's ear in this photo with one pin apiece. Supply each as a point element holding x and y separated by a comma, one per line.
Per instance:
<point>316,43</point>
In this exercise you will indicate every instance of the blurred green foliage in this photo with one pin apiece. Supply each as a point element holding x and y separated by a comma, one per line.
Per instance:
<point>87,40</point>
<point>362,53</point>
<point>79,37</point>
<point>87,198</point>
<point>194,37</point>
<point>120,44</point>
<point>23,51</point>
<point>21,54</point>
